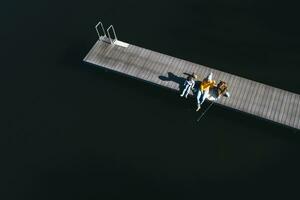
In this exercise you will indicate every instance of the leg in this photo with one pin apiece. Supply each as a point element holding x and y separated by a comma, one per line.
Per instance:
<point>199,94</point>
<point>188,91</point>
<point>184,90</point>
<point>204,96</point>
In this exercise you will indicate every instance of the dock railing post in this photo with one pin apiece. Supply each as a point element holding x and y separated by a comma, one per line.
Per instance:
<point>103,30</point>
<point>112,27</point>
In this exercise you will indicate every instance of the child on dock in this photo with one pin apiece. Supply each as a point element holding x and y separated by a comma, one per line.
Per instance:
<point>189,84</point>
<point>222,89</point>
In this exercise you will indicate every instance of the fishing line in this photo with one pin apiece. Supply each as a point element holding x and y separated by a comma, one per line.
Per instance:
<point>212,102</point>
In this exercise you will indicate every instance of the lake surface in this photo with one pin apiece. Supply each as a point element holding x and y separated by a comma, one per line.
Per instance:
<point>74,131</point>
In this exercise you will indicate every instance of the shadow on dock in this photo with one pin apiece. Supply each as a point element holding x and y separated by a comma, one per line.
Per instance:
<point>174,78</point>
<point>179,80</point>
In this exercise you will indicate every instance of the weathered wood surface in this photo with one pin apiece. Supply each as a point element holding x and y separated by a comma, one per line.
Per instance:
<point>248,96</point>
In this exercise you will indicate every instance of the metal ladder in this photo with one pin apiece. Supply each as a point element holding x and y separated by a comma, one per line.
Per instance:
<point>106,37</point>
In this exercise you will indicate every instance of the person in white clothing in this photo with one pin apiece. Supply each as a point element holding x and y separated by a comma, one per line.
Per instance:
<point>189,84</point>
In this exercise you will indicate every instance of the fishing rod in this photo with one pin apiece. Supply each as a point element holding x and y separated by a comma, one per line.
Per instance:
<point>212,102</point>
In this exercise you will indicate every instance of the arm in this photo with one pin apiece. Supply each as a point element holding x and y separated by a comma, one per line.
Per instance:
<point>213,84</point>
<point>201,87</point>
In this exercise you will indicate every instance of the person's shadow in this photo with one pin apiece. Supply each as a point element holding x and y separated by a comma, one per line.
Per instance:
<point>179,80</point>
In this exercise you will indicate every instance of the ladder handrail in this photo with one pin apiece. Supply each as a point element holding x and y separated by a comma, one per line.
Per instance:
<point>112,27</point>
<point>103,30</point>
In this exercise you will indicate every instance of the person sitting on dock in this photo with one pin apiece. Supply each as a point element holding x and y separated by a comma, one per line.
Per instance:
<point>222,89</point>
<point>189,84</point>
<point>204,90</point>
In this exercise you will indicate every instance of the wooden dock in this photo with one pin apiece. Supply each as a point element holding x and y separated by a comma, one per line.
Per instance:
<point>248,96</point>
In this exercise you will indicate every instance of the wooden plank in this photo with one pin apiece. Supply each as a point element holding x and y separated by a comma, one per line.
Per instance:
<point>118,57</point>
<point>234,92</point>
<point>291,110</point>
<point>143,65</point>
<point>164,69</point>
<point>140,62</point>
<point>271,105</point>
<point>278,104</point>
<point>257,107</point>
<point>216,74</point>
<point>178,63</point>
<point>132,67</point>
<point>272,114</point>
<point>241,86</point>
<point>104,54</point>
<point>92,50</point>
<point>126,53</point>
<point>286,100</point>
<point>156,66</point>
<point>241,97</point>
<point>112,58</point>
<point>98,48</point>
<point>193,68</point>
<point>101,59</point>
<point>287,113</point>
<point>245,99</point>
<point>155,60</point>
<point>131,55</point>
<point>267,101</point>
<point>231,89</point>
<point>297,115</point>
<point>123,57</point>
<point>254,96</point>
<point>250,95</point>
<point>160,69</point>
<point>171,67</point>
<point>131,59</point>
<point>180,73</point>
<point>135,64</point>
<point>145,73</point>
<point>204,73</point>
<point>187,68</point>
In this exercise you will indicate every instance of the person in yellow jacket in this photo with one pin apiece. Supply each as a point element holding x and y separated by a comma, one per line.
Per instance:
<point>204,90</point>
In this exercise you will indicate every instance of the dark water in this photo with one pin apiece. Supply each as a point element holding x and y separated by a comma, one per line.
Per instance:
<point>73,131</point>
